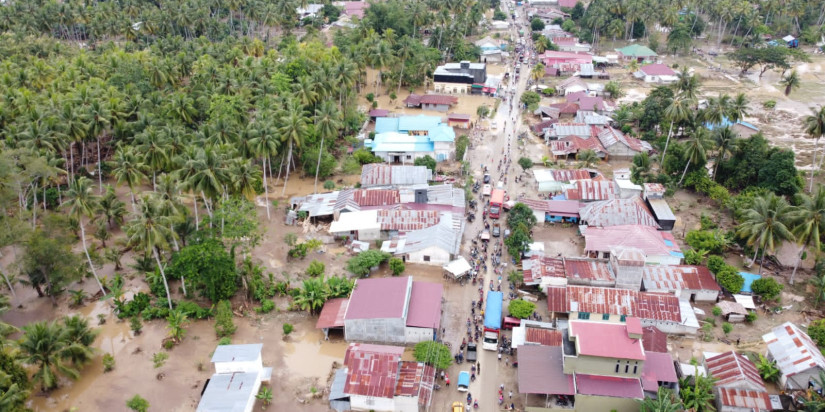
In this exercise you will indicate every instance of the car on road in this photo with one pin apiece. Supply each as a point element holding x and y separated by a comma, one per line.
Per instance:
<point>487,190</point>
<point>472,352</point>
<point>458,407</point>
<point>486,178</point>
<point>463,381</point>
<point>494,124</point>
<point>496,230</point>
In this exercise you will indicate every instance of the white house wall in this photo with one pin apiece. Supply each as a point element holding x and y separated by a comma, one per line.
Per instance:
<point>671,328</point>
<point>415,335</point>
<point>437,256</point>
<point>383,330</point>
<point>406,404</point>
<point>247,366</point>
<point>368,403</point>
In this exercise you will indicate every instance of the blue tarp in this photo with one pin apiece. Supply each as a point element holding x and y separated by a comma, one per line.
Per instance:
<point>492,312</point>
<point>726,122</point>
<point>749,278</point>
<point>464,379</point>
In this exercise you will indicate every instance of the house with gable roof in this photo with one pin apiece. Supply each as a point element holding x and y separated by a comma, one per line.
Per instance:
<point>404,139</point>
<point>796,355</point>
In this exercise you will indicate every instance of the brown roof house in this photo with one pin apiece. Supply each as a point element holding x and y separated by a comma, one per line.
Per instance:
<point>738,386</point>
<point>374,378</point>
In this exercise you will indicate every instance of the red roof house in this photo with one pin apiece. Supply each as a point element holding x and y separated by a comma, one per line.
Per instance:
<point>590,340</point>
<point>376,378</point>
<point>733,370</point>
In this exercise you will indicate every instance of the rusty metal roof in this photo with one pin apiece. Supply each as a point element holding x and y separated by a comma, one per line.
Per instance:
<point>376,197</point>
<point>557,299</point>
<point>569,175</point>
<point>651,241</point>
<point>545,337</point>
<point>587,269</point>
<point>654,340</point>
<point>372,370</point>
<point>539,266</point>
<point>734,370</point>
<point>754,400</point>
<point>416,379</point>
<point>793,349</point>
<point>681,277</point>
<point>438,99</point>
<point>332,315</point>
<point>615,212</point>
<point>380,174</point>
<point>659,306</point>
<point>592,190</point>
<point>407,220</point>
<point>602,300</point>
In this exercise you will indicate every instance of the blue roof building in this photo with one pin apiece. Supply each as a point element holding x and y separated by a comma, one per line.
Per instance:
<point>403,139</point>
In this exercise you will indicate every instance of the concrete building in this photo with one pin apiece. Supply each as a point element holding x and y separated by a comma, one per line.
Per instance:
<point>436,102</point>
<point>692,283</point>
<point>239,372</point>
<point>392,310</point>
<point>384,175</point>
<point>459,78</point>
<point>376,379</point>
<point>404,139</point>
<point>656,73</point>
<point>435,245</point>
<point>628,264</point>
<point>636,52</point>
<point>796,356</point>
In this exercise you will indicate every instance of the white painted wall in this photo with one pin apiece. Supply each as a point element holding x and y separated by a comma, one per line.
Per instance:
<point>406,404</point>
<point>415,335</point>
<point>230,367</point>
<point>367,403</point>
<point>673,328</point>
<point>437,256</point>
<point>256,388</point>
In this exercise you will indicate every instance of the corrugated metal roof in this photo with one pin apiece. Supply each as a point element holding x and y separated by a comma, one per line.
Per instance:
<point>654,340</point>
<point>569,175</point>
<point>734,370</point>
<point>593,190</point>
<point>237,353</point>
<point>380,174</point>
<point>332,314</point>
<point>557,299</point>
<point>651,241</point>
<point>418,123</point>
<point>610,136</point>
<point>228,392</point>
<point>458,116</point>
<point>659,306</point>
<point>376,197</point>
<point>755,400</point>
<point>539,266</point>
<point>661,209</point>
<point>681,277</point>
<point>541,336</point>
<point>372,369</point>
<point>321,204</point>
<point>378,298</point>
<point>608,386</point>
<point>541,371</point>
<point>438,99</point>
<point>793,349</point>
<point>407,220</point>
<point>602,300</point>
<point>658,368</point>
<point>442,235</point>
<point>561,130</point>
<point>617,212</point>
<point>588,269</point>
<point>416,379</point>
<point>729,307</point>
<point>628,256</point>
<point>591,338</point>
<point>425,305</point>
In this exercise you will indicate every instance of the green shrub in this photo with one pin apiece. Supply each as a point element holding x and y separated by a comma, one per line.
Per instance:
<point>715,262</point>
<point>108,362</point>
<point>521,309</point>
<point>769,104</point>
<point>193,311</point>
<point>712,241</point>
<point>716,311</point>
<point>426,160</point>
<point>727,328</point>
<point>397,266</point>
<point>707,223</point>
<point>225,341</point>
<point>224,326</point>
<point>137,404</point>
<point>730,279</point>
<point>315,268</point>
<point>266,306</point>
<point>816,330</point>
<point>695,257</point>
<point>288,328</point>
<point>136,324</point>
<point>329,185</point>
<point>366,260</point>
<point>767,288</point>
<point>158,359</point>
<point>751,317</point>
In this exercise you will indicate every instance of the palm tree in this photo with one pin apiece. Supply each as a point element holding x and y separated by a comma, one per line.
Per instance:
<point>676,111</point>
<point>312,295</point>
<point>809,216</point>
<point>79,338</point>
<point>82,204</point>
<point>149,230</point>
<point>265,145</point>
<point>818,282</point>
<point>155,149</point>
<point>696,149</point>
<point>111,208</point>
<point>292,131</point>
<point>717,109</point>
<point>537,74</point>
<point>724,139</point>
<point>177,324</point>
<point>665,401</point>
<point>815,127</point>
<point>244,178</point>
<point>587,158</point>
<point>738,108</point>
<point>687,85</point>
<point>44,345</point>
<point>791,81</point>
<point>327,123</point>
<point>640,169</point>
<point>766,223</point>
<point>697,396</point>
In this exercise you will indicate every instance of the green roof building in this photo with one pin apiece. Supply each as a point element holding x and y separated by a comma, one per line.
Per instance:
<point>637,51</point>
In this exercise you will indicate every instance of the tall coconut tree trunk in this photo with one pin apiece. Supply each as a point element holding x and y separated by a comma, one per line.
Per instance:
<point>762,261</point>
<point>289,159</point>
<point>266,186</point>
<point>796,266</point>
<point>11,288</point>
<point>684,172</point>
<point>195,206</point>
<point>89,258</point>
<point>813,166</point>
<point>318,166</point>
<point>132,195</point>
<point>34,209</point>
<point>163,275</point>
<point>99,172</point>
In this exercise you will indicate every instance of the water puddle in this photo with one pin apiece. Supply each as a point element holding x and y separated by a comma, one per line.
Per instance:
<point>309,356</point>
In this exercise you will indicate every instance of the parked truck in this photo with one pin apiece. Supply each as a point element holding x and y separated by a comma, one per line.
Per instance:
<point>496,202</point>
<point>492,320</point>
